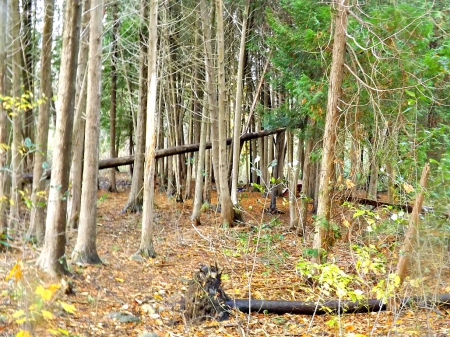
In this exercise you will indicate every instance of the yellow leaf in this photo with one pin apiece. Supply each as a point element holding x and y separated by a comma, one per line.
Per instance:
<point>15,272</point>
<point>45,294</point>
<point>158,297</point>
<point>21,320</point>
<point>23,333</point>
<point>119,279</point>
<point>18,313</point>
<point>70,308</point>
<point>47,315</point>
<point>53,287</point>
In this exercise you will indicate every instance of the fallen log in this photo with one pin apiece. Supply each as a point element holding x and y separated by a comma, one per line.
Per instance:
<point>375,203</point>
<point>206,299</point>
<point>161,153</point>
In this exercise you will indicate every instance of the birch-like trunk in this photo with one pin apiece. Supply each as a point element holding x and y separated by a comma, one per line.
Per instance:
<point>146,246</point>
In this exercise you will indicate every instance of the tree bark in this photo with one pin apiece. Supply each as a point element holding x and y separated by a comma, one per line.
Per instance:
<point>37,219</point>
<point>113,108</point>
<point>16,158</point>
<point>330,132</point>
<point>85,250</point>
<point>52,258</point>
<point>412,231</point>
<point>238,108</point>
<point>135,198</point>
<point>3,116</point>
<point>79,123</point>
<point>146,246</point>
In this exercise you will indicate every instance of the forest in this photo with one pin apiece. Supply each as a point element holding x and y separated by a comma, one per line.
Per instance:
<point>224,168</point>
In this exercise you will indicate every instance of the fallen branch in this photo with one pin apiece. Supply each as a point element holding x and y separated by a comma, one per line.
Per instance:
<point>161,153</point>
<point>362,201</point>
<point>206,299</point>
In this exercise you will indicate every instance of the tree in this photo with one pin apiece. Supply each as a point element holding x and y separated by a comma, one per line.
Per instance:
<point>329,138</point>
<point>113,107</point>
<point>52,258</point>
<point>79,123</point>
<point>146,246</point>
<point>134,202</point>
<point>227,211</point>
<point>37,219</point>
<point>16,158</point>
<point>3,115</point>
<point>238,108</point>
<point>85,250</point>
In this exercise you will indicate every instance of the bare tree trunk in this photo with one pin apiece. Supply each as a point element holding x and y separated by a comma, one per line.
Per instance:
<point>211,90</point>
<point>238,108</point>
<point>79,123</point>
<point>329,138</point>
<point>27,66</point>
<point>294,170</point>
<point>85,249</point>
<point>135,198</point>
<point>200,170</point>
<point>227,211</point>
<point>16,160</point>
<point>37,220</point>
<point>52,258</point>
<point>146,245</point>
<point>3,115</point>
<point>113,108</point>
<point>411,233</point>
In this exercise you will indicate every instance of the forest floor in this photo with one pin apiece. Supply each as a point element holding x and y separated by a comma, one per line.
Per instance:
<point>127,297</point>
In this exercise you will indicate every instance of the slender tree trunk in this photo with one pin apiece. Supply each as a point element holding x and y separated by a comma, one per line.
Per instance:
<point>26,37</point>
<point>79,123</point>
<point>85,249</point>
<point>3,115</point>
<point>135,198</point>
<point>200,170</point>
<point>211,90</point>
<point>329,138</point>
<point>227,211</point>
<point>113,109</point>
<point>146,245</point>
<point>37,220</point>
<point>305,195</point>
<point>293,181</point>
<point>16,162</point>
<point>52,258</point>
<point>238,107</point>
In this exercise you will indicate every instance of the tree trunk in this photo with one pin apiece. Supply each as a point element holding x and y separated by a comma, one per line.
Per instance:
<point>16,157</point>
<point>37,224</point>
<point>3,115</point>
<point>411,233</point>
<point>329,138</point>
<point>26,42</point>
<point>200,171</point>
<point>85,250</point>
<point>135,198</point>
<point>238,107</point>
<point>211,90</point>
<point>227,211</point>
<point>52,258</point>
<point>113,108</point>
<point>79,123</point>
<point>146,245</point>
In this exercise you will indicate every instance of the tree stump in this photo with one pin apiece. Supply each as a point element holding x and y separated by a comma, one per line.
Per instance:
<point>205,298</point>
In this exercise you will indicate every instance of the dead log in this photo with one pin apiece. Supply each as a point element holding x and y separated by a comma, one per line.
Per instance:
<point>205,299</point>
<point>374,203</point>
<point>161,153</point>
